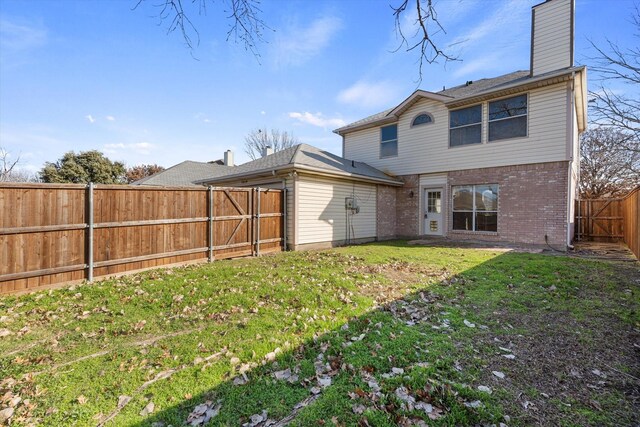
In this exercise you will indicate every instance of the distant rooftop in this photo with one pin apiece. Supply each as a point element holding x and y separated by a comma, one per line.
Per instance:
<point>183,174</point>
<point>302,155</point>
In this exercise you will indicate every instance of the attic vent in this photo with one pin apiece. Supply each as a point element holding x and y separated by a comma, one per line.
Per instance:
<point>469,83</point>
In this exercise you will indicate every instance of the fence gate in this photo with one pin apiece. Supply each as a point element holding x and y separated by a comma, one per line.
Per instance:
<point>53,233</point>
<point>599,220</point>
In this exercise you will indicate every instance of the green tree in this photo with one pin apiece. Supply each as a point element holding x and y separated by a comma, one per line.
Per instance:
<point>82,168</point>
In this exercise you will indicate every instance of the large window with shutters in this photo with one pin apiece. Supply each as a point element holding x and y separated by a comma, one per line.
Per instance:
<point>508,118</point>
<point>475,207</point>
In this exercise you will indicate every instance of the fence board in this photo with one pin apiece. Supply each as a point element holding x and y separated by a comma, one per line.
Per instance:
<point>631,221</point>
<point>610,220</point>
<point>44,229</point>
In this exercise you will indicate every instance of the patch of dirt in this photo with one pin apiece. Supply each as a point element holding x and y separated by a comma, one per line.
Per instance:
<point>604,251</point>
<point>399,274</point>
<point>562,365</point>
<point>443,242</point>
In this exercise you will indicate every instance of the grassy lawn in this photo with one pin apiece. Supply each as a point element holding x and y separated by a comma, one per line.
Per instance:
<point>373,335</point>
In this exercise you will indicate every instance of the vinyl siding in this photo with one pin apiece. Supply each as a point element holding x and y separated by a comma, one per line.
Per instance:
<point>425,149</point>
<point>321,211</point>
<point>552,36</point>
<point>290,211</point>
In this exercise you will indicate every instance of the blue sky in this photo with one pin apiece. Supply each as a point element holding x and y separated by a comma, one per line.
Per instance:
<point>89,74</point>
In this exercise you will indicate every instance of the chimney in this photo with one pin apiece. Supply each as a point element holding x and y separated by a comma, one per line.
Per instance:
<point>228,158</point>
<point>552,28</point>
<point>266,151</point>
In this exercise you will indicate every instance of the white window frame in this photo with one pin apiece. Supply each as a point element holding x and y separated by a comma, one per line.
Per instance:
<point>480,123</point>
<point>489,121</point>
<point>388,141</point>
<point>474,210</point>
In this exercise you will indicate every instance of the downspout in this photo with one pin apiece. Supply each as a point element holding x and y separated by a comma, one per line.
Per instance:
<point>571,160</point>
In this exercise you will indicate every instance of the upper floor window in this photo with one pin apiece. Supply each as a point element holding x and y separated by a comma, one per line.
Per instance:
<point>508,118</point>
<point>465,126</point>
<point>389,141</point>
<point>422,119</point>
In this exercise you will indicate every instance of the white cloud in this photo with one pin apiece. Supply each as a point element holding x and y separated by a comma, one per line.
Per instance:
<point>298,44</point>
<point>20,36</point>
<point>121,148</point>
<point>263,113</point>
<point>480,64</point>
<point>111,118</point>
<point>506,15</point>
<point>317,119</point>
<point>90,118</point>
<point>370,94</point>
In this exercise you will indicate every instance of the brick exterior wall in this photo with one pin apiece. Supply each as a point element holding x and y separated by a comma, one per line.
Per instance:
<point>386,215</point>
<point>407,207</point>
<point>532,202</point>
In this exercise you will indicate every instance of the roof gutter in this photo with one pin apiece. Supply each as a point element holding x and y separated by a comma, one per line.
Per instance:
<point>299,167</point>
<point>532,83</point>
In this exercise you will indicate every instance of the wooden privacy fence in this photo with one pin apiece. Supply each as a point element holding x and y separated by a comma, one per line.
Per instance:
<point>607,220</point>
<point>53,233</point>
<point>599,220</point>
<point>631,221</point>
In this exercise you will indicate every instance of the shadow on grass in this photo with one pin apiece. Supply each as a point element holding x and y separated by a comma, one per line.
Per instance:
<point>409,336</point>
<point>398,364</point>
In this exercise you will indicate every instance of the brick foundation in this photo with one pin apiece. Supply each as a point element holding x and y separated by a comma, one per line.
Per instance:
<point>407,207</point>
<point>532,202</point>
<point>386,215</point>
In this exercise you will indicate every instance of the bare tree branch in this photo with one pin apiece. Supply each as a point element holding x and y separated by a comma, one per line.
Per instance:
<point>425,23</point>
<point>259,139</point>
<point>620,109</point>
<point>247,26</point>
<point>7,166</point>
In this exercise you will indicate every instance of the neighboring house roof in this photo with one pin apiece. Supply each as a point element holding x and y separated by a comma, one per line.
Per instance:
<point>301,157</point>
<point>475,91</point>
<point>182,175</point>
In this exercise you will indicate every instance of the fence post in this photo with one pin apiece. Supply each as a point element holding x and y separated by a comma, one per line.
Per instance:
<point>210,199</point>
<point>258,223</point>
<point>90,232</point>
<point>284,225</point>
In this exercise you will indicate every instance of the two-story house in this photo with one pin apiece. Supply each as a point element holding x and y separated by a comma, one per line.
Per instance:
<point>493,159</point>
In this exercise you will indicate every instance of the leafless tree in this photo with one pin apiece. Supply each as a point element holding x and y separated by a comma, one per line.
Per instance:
<point>618,64</point>
<point>605,169</point>
<point>247,26</point>
<point>426,25</point>
<point>7,165</point>
<point>259,139</point>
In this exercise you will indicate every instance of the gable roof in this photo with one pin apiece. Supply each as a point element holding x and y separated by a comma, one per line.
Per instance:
<point>470,92</point>
<point>302,157</point>
<point>181,175</point>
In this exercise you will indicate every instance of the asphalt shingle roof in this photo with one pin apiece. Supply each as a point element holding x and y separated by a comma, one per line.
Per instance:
<point>482,85</point>
<point>183,174</point>
<point>299,155</point>
<point>461,91</point>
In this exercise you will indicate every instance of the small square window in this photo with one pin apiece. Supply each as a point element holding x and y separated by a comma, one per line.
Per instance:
<point>508,118</point>
<point>465,126</point>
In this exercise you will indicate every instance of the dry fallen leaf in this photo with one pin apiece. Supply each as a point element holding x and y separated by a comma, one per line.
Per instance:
<point>82,400</point>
